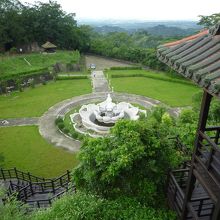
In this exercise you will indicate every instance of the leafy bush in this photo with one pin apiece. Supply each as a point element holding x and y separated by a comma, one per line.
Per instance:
<point>29,73</point>
<point>187,116</point>
<point>61,125</point>
<point>74,135</point>
<point>13,50</point>
<point>86,206</point>
<point>13,210</point>
<point>214,114</point>
<point>59,77</point>
<point>58,120</point>
<point>113,166</point>
<point>126,68</point>
<point>18,84</point>
<point>66,130</point>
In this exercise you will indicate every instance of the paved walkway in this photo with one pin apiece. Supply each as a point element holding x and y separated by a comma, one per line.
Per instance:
<point>18,122</point>
<point>46,122</point>
<point>99,82</point>
<point>49,130</point>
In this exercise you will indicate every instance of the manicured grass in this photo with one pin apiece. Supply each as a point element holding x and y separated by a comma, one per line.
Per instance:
<point>147,73</point>
<point>17,64</point>
<point>171,93</point>
<point>34,102</point>
<point>24,148</point>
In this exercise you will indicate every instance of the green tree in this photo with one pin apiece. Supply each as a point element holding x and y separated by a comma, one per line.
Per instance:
<point>209,21</point>
<point>114,166</point>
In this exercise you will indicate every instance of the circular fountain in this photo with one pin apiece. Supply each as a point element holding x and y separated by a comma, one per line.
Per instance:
<point>101,117</point>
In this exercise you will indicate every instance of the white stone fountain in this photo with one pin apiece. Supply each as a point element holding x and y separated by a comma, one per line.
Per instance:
<point>101,117</point>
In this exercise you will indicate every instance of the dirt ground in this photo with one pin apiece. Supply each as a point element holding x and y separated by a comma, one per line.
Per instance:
<point>103,63</point>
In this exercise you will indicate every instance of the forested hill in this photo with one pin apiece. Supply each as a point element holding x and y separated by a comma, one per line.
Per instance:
<point>165,31</point>
<point>158,30</point>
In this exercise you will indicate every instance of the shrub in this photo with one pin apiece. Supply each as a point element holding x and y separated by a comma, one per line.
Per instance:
<point>61,125</point>
<point>126,68</point>
<point>167,119</point>
<point>113,166</point>
<point>87,206</point>
<point>66,130</point>
<point>13,50</point>
<point>58,120</point>
<point>13,210</point>
<point>74,135</point>
<point>59,77</point>
<point>187,116</point>
<point>214,114</point>
<point>29,73</point>
<point>18,84</point>
<point>31,82</point>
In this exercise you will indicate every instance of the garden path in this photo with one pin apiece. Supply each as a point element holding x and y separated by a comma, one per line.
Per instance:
<point>18,122</point>
<point>49,130</point>
<point>99,82</point>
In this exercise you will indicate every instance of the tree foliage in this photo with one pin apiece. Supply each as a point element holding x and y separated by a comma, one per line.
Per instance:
<point>133,161</point>
<point>139,47</point>
<point>209,21</point>
<point>23,24</point>
<point>87,206</point>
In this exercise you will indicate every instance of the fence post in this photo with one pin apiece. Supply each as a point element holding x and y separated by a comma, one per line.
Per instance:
<point>32,192</point>
<point>53,189</point>
<point>29,177</point>
<point>3,175</point>
<point>68,175</point>
<point>61,182</point>
<point>16,174</point>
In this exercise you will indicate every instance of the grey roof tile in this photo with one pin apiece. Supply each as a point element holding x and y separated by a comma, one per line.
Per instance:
<point>197,58</point>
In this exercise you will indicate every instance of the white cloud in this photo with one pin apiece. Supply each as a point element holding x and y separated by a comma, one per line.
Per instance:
<point>140,9</point>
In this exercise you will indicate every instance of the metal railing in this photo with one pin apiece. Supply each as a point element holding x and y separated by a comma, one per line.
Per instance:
<point>13,173</point>
<point>28,185</point>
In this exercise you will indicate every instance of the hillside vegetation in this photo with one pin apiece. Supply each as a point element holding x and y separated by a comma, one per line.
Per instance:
<point>10,65</point>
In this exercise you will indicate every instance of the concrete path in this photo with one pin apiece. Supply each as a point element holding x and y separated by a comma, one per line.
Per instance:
<point>99,82</point>
<point>49,130</point>
<point>18,122</point>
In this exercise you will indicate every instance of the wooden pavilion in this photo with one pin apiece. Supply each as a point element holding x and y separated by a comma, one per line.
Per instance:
<point>194,192</point>
<point>49,47</point>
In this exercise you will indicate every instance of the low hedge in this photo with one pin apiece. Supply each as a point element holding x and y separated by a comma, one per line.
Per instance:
<point>81,206</point>
<point>126,68</point>
<point>71,77</point>
<point>151,77</point>
<point>24,74</point>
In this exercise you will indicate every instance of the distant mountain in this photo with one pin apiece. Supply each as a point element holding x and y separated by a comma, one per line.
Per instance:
<point>108,29</point>
<point>133,24</point>
<point>158,28</point>
<point>165,31</point>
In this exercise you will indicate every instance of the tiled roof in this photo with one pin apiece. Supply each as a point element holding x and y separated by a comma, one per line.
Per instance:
<point>196,57</point>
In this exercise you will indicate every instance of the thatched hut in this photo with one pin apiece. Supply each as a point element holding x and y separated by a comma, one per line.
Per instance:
<point>49,47</point>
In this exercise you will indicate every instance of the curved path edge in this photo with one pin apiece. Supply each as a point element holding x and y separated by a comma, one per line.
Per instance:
<point>49,131</point>
<point>10,122</point>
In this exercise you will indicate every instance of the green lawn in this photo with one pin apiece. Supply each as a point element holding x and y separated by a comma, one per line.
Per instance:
<point>171,93</point>
<point>34,102</point>
<point>16,64</point>
<point>24,148</point>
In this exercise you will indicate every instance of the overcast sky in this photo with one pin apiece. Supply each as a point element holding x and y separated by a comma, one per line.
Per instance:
<point>139,9</point>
